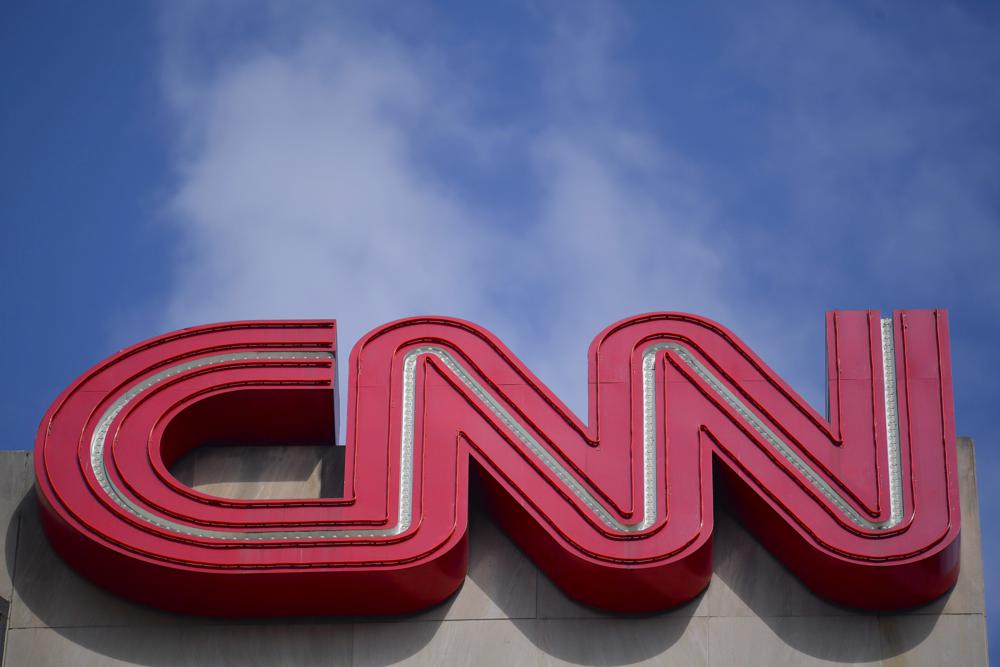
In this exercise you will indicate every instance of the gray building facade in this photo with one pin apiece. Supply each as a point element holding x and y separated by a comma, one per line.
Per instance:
<point>507,613</point>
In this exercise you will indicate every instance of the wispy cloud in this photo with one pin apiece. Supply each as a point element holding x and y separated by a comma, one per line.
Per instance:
<point>306,187</point>
<point>336,165</point>
<point>869,115</point>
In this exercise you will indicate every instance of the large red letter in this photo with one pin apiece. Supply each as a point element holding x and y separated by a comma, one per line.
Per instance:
<point>863,506</point>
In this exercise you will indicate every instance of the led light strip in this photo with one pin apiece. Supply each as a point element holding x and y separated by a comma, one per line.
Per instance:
<point>650,470</point>
<point>763,430</point>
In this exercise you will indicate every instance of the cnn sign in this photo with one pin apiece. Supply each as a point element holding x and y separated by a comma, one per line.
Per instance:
<point>862,504</point>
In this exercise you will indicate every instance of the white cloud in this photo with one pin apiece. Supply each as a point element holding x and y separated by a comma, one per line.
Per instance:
<point>304,191</point>
<point>300,197</point>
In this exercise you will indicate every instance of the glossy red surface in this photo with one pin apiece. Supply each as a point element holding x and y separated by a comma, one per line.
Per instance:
<point>701,443</point>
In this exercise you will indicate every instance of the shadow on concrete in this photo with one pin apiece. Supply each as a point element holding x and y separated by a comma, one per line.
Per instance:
<point>50,594</point>
<point>750,582</point>
<point>237,471</point>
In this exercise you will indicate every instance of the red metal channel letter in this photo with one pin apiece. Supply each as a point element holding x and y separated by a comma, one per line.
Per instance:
<point>862,506</point>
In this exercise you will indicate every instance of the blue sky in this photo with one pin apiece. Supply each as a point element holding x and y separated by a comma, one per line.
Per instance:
<point>540,168</point>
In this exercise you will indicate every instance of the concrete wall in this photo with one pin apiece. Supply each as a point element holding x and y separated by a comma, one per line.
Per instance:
<point>754,612</point>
